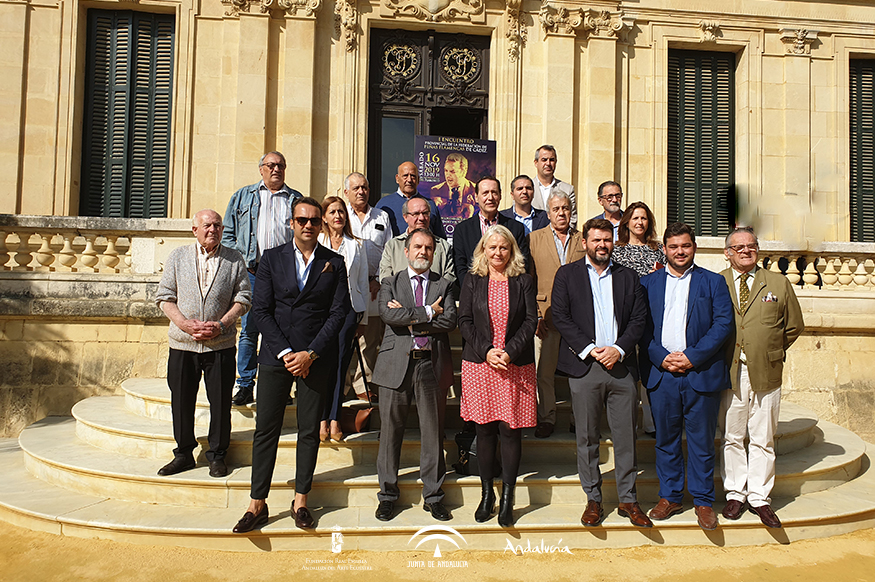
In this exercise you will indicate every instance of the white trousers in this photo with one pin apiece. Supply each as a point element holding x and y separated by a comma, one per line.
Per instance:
<point>749,475</point>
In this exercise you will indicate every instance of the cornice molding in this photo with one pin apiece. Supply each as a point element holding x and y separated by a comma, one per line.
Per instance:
<point>557,19</point>
<point>310,8</point>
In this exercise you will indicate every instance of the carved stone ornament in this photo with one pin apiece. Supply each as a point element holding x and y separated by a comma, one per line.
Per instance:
<point>290,7</point>
<point>460,65</point>
<point>562,20</point>
<point>436,10</point>
<point>516,31</point>
<point>346,17</point>
<point>799,41</point>
<point>708,31</point>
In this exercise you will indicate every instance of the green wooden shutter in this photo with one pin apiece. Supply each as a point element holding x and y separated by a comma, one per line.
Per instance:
<point>862,135</point>
<point>701,136</point>
<point>126,138</point>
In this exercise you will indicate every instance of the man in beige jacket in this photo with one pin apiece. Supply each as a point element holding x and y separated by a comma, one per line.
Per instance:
<point>550,248</point>
<point>767,321</point>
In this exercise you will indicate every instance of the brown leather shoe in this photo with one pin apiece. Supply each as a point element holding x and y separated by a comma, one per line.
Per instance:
<point>251,521</point>
<point>707,517</point>
<point>734,508</point>
<point>303,518</point>
<point>635,514</point>
<point>665,509</point>
<point>767,516</point>
<point>593,514</point>
<point>544,430</point>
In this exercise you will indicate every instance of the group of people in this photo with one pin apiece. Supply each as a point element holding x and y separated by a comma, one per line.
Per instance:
<point>631,321</point>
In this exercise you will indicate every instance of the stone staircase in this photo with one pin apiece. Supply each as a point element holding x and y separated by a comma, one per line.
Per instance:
<point>95,475</point>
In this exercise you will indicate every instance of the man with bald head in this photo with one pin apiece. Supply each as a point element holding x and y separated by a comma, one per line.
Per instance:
<point>408,180</point>
<point>203,290</point>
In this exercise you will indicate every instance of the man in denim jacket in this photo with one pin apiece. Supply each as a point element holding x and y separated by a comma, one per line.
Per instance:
<point>257,219</point>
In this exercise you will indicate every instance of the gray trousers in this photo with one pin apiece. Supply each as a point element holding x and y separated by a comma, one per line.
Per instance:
<point>420,381</point>
<point>614,390</point>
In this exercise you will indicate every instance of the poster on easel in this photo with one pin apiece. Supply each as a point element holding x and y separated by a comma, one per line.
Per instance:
<point>449,168</point>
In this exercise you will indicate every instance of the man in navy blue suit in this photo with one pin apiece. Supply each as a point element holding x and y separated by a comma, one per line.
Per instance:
<point>301,299</point>
<point>684,368</point>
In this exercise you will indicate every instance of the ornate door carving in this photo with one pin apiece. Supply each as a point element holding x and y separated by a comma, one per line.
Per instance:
<point>426,83</point>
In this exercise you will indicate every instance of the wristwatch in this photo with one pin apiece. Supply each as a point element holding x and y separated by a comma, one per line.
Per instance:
<point>313,355</point>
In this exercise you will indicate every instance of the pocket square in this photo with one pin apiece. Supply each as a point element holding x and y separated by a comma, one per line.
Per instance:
<point>770,298</point>
<point>328,268</point>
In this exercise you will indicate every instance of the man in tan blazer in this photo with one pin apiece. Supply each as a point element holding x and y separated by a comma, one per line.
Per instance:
<point>551,248</point>
<point>767,321</point>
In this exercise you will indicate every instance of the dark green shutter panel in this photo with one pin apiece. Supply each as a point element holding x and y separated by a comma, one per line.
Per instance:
<point>701,136</point>
<point>862,135</point>
<point>126,138</point>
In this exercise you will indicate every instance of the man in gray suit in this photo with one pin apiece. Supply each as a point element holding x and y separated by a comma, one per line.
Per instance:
<point>418,308</point>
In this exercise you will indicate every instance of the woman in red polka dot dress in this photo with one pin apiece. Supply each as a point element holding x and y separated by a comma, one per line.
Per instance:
<point>498,314</point>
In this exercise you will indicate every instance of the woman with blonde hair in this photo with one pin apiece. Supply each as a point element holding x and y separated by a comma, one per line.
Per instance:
<point>498,315</point>
<point>337,235</point>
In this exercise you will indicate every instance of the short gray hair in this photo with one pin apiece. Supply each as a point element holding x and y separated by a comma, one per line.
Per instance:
<point>350,175</point>
<point>737,230</point>
<point>415,197</point>
<point>282,157</point>
<point>555,193</point>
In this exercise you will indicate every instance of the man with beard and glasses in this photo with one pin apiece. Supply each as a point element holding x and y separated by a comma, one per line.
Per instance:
<point>610,196</point>
<point>683,367</point>
<point>414,362</point>
<point>599,309</point>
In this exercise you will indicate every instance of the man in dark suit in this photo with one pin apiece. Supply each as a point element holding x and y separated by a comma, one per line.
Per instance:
<point>522,190</point>
<point>418,308</point>
<point>469,232</point>
<point>684,369</point>
<point>301,301</point>
<point>600,312</point>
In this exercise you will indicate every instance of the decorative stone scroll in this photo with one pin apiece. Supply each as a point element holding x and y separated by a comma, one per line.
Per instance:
<point>516,30</point>
<point>290,7</point>
<point>799,41</point>
<point>564,21</point>
<point>708,30</point>
<point>436,10</point>
<point>346,17</point>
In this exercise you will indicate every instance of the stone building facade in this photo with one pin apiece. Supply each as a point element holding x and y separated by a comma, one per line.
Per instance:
<point>601,81</point>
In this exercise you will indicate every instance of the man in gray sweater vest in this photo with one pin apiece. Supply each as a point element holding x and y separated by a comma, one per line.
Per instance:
<point>204,289</point>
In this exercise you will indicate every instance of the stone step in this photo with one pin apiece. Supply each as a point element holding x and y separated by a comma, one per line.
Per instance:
<point>36,504</point>
<point>55,455</point>
<point>106,422</point>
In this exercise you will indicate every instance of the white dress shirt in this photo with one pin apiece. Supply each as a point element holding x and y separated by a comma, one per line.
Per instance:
<point>274,215</point>
<point>674,318</point>
<point>602,286</point>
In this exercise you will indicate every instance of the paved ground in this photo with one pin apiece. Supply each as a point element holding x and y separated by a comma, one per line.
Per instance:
<point>27,555</point>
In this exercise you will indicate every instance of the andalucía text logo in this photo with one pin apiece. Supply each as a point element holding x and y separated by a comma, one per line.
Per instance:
<point>543,548</point>
<point>437,537</point>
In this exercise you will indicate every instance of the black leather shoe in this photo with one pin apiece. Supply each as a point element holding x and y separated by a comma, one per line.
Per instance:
<point>250,521</point>
<point>243,397</point>
<point>487,502</point>
<point>505,506</point>
<point>303,518</point>
<point>385,511</point>
<point>177,465</point>
<point>733,509</point>
<point>218,468</point>
<point>438,511</point>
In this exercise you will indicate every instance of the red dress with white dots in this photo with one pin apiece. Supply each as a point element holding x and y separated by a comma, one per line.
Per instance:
<point>508,395</point>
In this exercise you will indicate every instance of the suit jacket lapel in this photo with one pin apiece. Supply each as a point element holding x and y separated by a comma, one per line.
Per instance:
<point>756,287</point>
<point>619,294</point>
<point>290,262</point>
<point>695,280</point>
<point>433,291</point>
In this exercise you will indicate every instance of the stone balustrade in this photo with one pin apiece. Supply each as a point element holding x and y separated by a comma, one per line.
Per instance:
<point>837,266</point>
<point>83,244</point>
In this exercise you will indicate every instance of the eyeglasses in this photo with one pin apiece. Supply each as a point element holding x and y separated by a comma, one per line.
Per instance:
<point>611,196</point>
<point>303,220</point>
<point>270,166</point>
<point>417,214</point>
<point>752,247</point>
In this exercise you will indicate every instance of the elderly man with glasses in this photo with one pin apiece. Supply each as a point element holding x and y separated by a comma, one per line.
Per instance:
<point>610,196</point>
<point>767,322</point>
<point>257,219</point>
<point>417,214</point>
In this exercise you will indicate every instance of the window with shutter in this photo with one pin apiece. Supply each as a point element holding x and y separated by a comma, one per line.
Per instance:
<point>701,140</point>
<point>862,150</point>
<point>126,136</point>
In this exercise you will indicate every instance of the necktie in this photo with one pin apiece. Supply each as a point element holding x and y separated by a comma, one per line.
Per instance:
<point>419,342</point>
<point>743,291</point>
